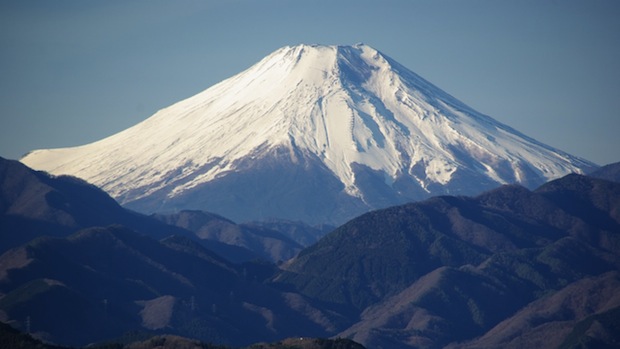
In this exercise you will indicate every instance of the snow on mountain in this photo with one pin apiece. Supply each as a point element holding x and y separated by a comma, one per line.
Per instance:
<point>318,133</point>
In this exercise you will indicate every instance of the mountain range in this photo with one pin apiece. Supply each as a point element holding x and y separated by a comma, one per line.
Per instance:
<point>35,203</point>
<point>80,268</point>
<point>346,128</point>
<point>274,241</point>
<point>508,268</point>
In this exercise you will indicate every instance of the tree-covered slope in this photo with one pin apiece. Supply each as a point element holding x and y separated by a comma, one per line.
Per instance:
<point>449,269</point>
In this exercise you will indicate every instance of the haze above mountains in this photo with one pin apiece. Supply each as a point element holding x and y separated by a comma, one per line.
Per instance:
<point>345,127</point>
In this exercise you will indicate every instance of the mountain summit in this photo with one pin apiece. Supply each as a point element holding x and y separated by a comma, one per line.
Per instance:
<point>314,133</point>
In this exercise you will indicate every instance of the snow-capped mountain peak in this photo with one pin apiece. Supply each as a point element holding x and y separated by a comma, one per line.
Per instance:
<point>354,113</point>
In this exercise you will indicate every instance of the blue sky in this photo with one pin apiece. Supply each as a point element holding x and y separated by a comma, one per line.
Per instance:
<point>73,72</point>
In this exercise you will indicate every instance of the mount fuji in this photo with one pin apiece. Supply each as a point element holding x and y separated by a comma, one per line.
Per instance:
<point>312,133</point>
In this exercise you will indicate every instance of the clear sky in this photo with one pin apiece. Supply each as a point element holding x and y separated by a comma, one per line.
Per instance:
<point>73,72</point>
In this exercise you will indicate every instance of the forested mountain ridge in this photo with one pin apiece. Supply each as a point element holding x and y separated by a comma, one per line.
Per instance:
<point>450,269</point>
<point>511,267</point>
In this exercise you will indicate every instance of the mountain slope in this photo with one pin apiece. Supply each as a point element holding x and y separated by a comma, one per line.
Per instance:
<point>100,283</point>
<point>34,203</point>
<point>549,322</point>
<point>346,128</point>
<point>610,172</point>
<point>450,269</point>
<point>265,243</point>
